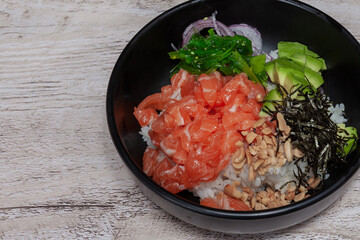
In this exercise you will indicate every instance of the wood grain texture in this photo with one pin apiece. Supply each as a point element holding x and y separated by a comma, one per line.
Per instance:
<point>61,177</point>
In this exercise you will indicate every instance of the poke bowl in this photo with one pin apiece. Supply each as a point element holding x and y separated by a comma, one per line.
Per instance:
<point>144,67</point>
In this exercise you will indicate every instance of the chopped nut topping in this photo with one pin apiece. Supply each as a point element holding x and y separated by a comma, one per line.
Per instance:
<point>300,196</point>
<point>268,140</point>
<point>267,161</point>
<point>253,202</point>
<point>271,152</point>
<point>253,150</point>
<point>290,196</point>
<point>248,190</point>
<point>287,130</point>
<point>248,156</point>
<point>288,150</point>
<point>315,183</point>
<point>232,191</point>
<point>273,161</point>
<point>311,180</point>
<point>257,164</point>
<point>244,197</point>
<point>274,140</point>
<point>251,176</point>
<point>239,155</point>
<point>262,171</point>
<point>259,122</point>
<point>259,206</point>
<point>250,137</point>
<point>236,183</point>
<point>298,153</point>
<point>281,149</point>
<point>263,145</point>
<point>238,166</point>
<point>239,144</point>
<point>292,189</point>
<point>259,138</point>
<point>260,153</point>
<point>281,161</point>
<point>281,121</point>
<point>266,131</point>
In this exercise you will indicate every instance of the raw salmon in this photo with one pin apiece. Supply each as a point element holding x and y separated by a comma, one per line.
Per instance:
<point>225,202</point>
<point>197,128</point>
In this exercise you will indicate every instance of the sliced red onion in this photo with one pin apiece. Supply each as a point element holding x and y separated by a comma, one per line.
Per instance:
<point>173,46</point>
<point>215,24</point>
<point>256,51</point>
<point>251,33</point>
<point>208,22</point>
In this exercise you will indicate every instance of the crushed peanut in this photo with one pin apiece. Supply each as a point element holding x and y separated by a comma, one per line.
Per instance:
<point>298,153</point>
<point>281,121</point>
<point>259,122</point>
<point>232,191</point>
<point>268,140</point>
<point>313,183</point>
<point>266,131</point>
<point>288,150</point>
<point>300,196</point>
<point>238,166</point>
<point>268,198</point>
<point>260,152</point>
<point>250,137</point>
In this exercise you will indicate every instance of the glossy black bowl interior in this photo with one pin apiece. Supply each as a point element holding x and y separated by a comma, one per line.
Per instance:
<point>144,67</point>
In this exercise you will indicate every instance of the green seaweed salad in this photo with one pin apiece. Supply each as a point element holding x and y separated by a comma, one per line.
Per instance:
<point>229,55</point>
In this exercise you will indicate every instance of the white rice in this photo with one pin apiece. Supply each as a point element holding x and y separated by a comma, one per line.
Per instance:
<point>338,113</point>
<point>144,132</point>
<point>272,55</point>
<point>270,86</point>
<point>276,178</point>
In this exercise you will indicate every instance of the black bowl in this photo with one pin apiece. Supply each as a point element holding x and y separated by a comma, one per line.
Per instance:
<point>144,67</point>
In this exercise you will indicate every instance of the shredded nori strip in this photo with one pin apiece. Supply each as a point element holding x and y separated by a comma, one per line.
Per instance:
<point>312,131</point>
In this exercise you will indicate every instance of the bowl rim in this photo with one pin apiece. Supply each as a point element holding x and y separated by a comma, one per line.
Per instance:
<point>184,203</point>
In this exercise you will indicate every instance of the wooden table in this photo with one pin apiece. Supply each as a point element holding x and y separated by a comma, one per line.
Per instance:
<point>61,176</point>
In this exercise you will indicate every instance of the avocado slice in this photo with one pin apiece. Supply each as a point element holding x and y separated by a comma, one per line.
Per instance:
<point>270,69</point>
<point>307,61</point>
<point>311,53</point>
<point>294,79</point>
<point>286,49</point>
<point>272,95</point>
<point>348,132</point>
<point>315,79</point>
<point>295,66</point>
<point>283,67</point>
<point>300,54</point>
<point>287,73</point>
<point>323,64</point>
